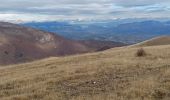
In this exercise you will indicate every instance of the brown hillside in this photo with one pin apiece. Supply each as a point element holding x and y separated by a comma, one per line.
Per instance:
<point>19,44</point>
<point>98,45</point>
<point>163,40</point>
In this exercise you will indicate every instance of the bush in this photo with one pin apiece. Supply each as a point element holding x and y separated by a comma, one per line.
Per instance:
<point>140,53</point>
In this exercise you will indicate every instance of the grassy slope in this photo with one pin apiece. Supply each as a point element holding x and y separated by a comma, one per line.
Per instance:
<point>115,74</point>
<point>162,40</point>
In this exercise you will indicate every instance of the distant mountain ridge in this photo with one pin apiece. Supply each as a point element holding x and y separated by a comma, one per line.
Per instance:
<point>119,31</point>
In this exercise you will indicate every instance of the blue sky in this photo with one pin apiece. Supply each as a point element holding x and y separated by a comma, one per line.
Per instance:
<point>42,10</point>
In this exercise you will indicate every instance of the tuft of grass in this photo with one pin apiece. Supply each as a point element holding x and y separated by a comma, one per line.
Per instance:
<point>141,52</point>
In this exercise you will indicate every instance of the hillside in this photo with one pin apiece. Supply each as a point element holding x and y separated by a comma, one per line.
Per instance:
<point>162,40</point>
<point>98,45</point>
<point>21,44</point>
<point>115,74</point>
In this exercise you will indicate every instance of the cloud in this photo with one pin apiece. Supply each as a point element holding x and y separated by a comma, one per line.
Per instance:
<point>82,9</point>
<point>133,3</point>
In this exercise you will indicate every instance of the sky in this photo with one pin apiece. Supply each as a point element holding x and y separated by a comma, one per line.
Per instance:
<point>50,10</point>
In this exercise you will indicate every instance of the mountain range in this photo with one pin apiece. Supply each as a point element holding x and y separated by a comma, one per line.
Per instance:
<point>125,31</point>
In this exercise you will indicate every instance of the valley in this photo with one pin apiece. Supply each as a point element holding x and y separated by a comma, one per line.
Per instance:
<point>128,31</point>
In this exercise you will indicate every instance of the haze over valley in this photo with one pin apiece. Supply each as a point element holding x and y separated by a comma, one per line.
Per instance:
<point>128,31</point>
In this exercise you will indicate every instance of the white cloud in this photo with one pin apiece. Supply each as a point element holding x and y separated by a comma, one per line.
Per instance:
<point>38,10</point>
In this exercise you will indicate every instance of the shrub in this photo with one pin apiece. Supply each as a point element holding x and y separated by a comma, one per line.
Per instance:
<point>140,53</point>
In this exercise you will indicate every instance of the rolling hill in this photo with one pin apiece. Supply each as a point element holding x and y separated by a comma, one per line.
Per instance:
<point>21,44</point>
<point>98,45</point>
<point>114,74</point>
<point>162,40</point>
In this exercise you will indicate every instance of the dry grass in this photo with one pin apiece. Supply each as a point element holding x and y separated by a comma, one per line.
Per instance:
<point>157,41</point>
<point>115,74</point>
